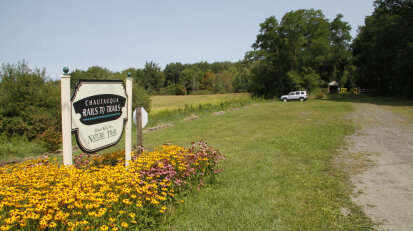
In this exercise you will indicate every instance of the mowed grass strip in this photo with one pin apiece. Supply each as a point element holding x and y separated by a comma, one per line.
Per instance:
<point>278,172</point>
<point>170,102</point>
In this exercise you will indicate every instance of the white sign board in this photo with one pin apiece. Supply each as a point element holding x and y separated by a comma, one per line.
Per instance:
<point>98,113</point>
<point>144,117</point>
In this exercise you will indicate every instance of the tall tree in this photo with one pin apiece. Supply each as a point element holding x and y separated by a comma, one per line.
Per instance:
<point>306,33</point>
<point>191,78</point>
<point>292,54</point>
<point>172,72</point>
<point>383,49</point>
<point>152,77</point>
<point>340,56</point>
<point>268,60</point>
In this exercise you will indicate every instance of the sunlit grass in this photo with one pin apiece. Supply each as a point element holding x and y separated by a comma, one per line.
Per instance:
<point>170,102</point>
<point>278,172</point>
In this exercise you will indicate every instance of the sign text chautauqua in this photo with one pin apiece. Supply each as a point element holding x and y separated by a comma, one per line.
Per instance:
<point>98,113</point>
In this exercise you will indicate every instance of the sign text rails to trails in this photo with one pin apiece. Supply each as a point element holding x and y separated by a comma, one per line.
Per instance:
<point>98,113</point>
<point>99,108</point>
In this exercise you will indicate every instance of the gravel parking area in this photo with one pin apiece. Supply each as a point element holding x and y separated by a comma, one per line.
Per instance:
<point>379,158</point>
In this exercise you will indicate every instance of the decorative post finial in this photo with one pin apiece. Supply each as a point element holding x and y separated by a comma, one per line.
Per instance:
<point>129,74</point>
<point>65,70</point>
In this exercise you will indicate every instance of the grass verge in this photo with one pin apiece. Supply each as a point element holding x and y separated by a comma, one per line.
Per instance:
<point>14,149</point>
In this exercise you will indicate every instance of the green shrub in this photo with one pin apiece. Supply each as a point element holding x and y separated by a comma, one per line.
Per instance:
<point>169,90</point>
<point>173,89</point>
<point>320,95</point>
<point>140,98</point>
<point>51,138</point>
<point>29,105</point>
<point>180,90</point>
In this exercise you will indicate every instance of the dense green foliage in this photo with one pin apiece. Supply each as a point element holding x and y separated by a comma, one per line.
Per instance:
<point>177,78</point>
<point>383,49</point>
<point>29,105</point>
<point>204,78</point>
<point>303,51</point>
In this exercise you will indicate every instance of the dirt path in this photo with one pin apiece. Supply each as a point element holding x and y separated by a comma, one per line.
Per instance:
<point>379,158</point>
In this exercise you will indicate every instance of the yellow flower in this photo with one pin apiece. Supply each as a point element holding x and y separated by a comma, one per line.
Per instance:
<point>139,204</point>
<point>5,227</point>
<point>52,225</point>
<point>43,223</point>
<point>44,193</point>
<point>104,228</point>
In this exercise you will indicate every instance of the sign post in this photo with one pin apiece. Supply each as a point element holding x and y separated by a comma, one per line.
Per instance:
<point>139,129</point>
<point>140,119</point>
<point>128,130</point>
<point>66,117</point>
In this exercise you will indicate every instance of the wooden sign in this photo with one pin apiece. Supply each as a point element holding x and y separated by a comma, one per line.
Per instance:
<point>99,111</point>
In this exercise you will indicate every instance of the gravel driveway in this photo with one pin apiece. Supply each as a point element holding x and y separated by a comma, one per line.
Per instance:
<point>379,158</point>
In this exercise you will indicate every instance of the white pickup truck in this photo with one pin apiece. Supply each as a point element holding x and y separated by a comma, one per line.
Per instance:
<point>295,95</point>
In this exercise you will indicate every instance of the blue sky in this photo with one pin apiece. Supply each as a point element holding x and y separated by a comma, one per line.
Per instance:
<point>125,33</point>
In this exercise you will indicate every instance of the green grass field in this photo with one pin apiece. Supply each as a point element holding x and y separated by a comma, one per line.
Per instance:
<point>278,172</point>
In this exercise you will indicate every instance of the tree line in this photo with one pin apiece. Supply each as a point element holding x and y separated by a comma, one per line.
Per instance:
<point>176,78</point>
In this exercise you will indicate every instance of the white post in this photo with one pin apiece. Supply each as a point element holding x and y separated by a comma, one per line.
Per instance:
<point>66,117</point>
<point>128,130</point>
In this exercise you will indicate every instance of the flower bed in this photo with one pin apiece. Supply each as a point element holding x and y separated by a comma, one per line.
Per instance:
<point>98,193</point>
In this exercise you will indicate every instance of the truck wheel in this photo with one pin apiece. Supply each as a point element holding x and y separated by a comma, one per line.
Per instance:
<point>301,99</point>
<point>285,100</point>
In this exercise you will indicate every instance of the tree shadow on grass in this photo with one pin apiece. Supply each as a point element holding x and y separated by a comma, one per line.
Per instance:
<point>365,98</point>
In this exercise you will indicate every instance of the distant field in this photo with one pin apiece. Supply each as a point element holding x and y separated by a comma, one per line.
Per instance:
<point>162,102</point>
